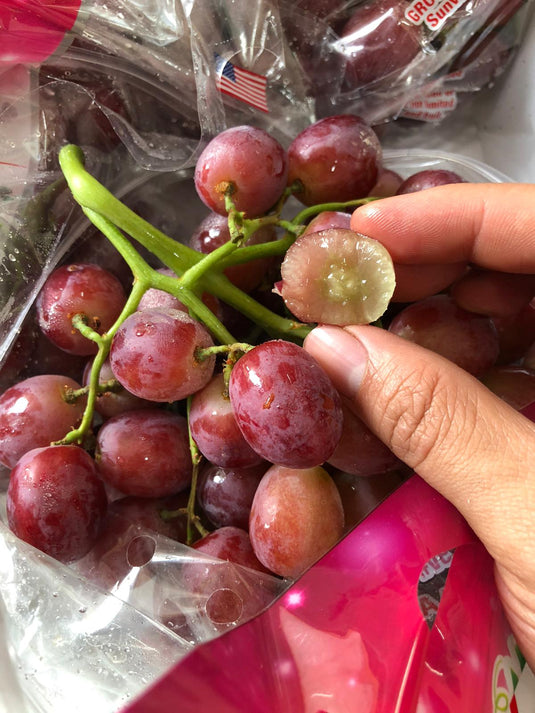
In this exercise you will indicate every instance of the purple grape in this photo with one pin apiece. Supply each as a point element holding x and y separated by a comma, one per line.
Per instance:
<point>226,494</point>
<point>285,405</point>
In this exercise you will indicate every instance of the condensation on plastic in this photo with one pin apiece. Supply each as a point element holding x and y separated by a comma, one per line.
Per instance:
<point>350,634</point>
<point>100,631</point>
<point>157,61</point>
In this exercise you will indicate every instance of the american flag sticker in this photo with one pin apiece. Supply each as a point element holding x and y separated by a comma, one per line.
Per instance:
<point>241,84</point>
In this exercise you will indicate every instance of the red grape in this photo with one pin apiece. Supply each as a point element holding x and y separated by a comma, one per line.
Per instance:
<point>154,298</point>
<point>145,453</point>
<point>334,159</point>
<point>78,289</point>
<point>328,219</point>
<point>214,428</point>
<point>247,160</point>
<point>296,516</point>
<point>514,384</point>
<point>359,451</point>
<point>469,340</point>
<point>34,413</point>
<point>118,400</point>
<point>285,405</point>
<point>231,544</point>
<point>214,231</point>
<point>153,354</point>
<point>229,585</point>
<point>429,178</point>
<point>377,41</point>
<point>56,501</point>
<point>388,183</point>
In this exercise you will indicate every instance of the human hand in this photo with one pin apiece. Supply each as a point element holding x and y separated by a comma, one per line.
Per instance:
<point>471,446</point>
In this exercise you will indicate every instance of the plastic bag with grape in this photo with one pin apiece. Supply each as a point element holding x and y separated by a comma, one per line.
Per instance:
<point>386,59</point>
<point>166,599</point>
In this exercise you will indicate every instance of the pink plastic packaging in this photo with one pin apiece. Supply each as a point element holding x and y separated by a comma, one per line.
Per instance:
<point>350,635</point>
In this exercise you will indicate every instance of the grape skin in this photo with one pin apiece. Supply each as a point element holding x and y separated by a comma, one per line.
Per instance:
<point>112,403</point>
<point>78,289</point>
<point>359,451</point>
<point>214,231</point>
<point>214,428</point>
<point>226,494</point>
<point>328,219</point>
<point>285,405</point>
<point>334,159</point>
<point>296,516</point>
<point>56,501</point>
<point>469,340</point>
<point>153,355</point>
<point>145,453</point>
<point>34,413</point>
<point>422,180</point>
<point>250,160</point>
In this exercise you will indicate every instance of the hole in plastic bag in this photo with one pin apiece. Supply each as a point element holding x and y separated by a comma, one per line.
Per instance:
<point>224,606</point>
<point>431,585</point>
<point>140,551</point>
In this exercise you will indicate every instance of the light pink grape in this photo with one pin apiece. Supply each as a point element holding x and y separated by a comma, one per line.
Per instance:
<point>296,516</point>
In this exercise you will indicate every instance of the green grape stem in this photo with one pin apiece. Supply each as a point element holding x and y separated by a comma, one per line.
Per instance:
<point>98,203</point>
<point>195,273</point>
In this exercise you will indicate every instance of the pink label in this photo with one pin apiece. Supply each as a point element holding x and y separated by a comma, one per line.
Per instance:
<point>32,30</point>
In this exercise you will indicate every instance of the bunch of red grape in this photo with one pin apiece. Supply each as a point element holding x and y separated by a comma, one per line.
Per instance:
<point>151,407</point>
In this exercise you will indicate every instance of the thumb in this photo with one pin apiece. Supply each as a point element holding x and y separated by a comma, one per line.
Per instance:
<point>464,441</point>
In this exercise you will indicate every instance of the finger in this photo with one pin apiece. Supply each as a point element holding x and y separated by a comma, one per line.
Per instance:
<point>497,294</point>
<point>413,282</point>
<point>489,224</point>
<point>467,443</point>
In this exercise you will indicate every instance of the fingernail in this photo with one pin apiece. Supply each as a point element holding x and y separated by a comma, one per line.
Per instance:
<point>342,356</point>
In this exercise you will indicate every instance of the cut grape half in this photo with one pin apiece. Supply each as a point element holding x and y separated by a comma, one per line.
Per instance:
<point>337,276</point>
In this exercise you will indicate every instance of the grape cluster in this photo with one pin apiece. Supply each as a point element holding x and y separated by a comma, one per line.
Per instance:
<point>197,412</point>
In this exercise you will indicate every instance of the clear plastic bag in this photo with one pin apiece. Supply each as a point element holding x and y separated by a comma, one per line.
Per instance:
<point>377,59</point>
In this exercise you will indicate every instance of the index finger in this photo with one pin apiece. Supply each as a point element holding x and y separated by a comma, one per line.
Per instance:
<point>488,224</point>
